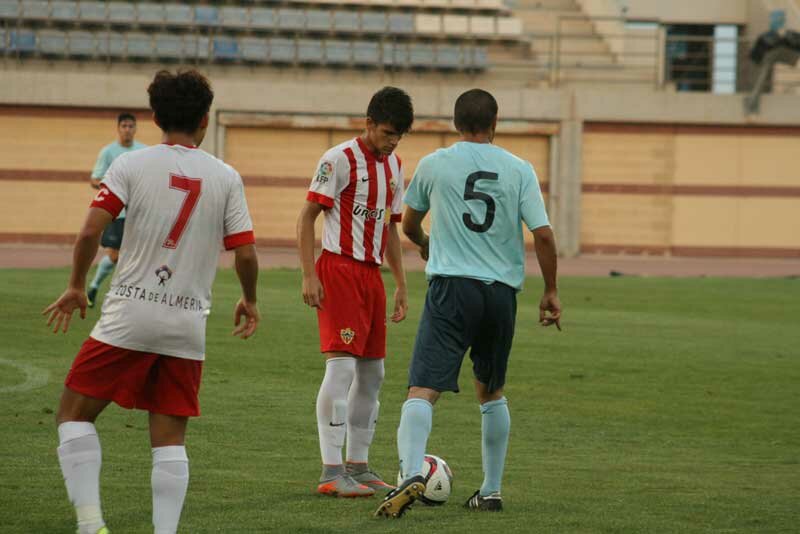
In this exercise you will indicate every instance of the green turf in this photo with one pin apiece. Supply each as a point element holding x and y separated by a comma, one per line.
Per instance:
<point>664,406</point>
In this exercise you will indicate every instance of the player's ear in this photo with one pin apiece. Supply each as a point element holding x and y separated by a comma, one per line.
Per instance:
<point>155,120</point>
<point>204,121</point>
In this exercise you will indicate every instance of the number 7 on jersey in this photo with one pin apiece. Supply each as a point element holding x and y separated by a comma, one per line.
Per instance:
<point>191,186</point>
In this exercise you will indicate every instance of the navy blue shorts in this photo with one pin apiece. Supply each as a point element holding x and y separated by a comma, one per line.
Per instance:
<point>112,235</point>
<point>461,313</point>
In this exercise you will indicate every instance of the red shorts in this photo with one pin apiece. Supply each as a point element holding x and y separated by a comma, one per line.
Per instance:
<point>353,314</point>
<point>134,379</point>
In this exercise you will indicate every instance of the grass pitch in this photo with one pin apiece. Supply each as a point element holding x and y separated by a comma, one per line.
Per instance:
<point>664,406</point>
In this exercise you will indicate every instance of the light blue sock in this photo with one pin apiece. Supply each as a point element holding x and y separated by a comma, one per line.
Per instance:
<point>412,436</point>
<point>495,426</point>
<point>104,268</point>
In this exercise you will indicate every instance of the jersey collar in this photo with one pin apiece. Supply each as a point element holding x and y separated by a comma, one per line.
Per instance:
<point>367,152</point>
<point>179,144</point>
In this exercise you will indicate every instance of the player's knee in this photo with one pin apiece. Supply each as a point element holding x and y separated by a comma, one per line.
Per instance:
<point>113,255</point>
<point>484,395</point>
<point>430,395</point>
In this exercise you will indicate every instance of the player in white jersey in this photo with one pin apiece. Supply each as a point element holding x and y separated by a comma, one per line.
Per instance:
<point>359,187</point>
<point>147,349</point>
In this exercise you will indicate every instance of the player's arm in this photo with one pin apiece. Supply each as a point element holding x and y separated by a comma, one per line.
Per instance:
<point>74,297</point>
<point>394,257</point>
<point>100,168</point>
<point>313,293</point>
<point>246,265</point>
<point>547,256</point>
<point>412,227</point>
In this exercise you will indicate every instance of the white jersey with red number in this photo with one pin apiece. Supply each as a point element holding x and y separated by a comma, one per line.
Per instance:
<point>183,204</point>
<point>362,194</point>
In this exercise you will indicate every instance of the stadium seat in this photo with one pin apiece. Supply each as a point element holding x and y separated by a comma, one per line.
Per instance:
<point>196,46</point>
<point>254,49</point>
<point>309,51</point>
<point>111,44</point>
<point>366,53</point>
<point>168,45</point>
<point>421,55</point>
<point>22,41</point>
<point>455,25</point>
<point>427,24</point>
<point>52,43</point>
<point>509,27</point>
<point>478,58</point>
<point>92,12</point>
<point>401,23</point>
<point>9,9</point>
<point>395,54</point>
<point>81,43</point>
<point>338,52</point>
<point>2,39</point>
<point>178,15</point>
<point>235,17</point>
<point>225,49</point>
<point>291,19</point>
<point>150,14</point>
<point>122,13</point>
<point>448,56</point>
<point>206,16</point>
<point>63,11</point>
<point>139,45</point>
<point>481,26</point>
<point>262,18</point>
<point>282,50</point>
<point>345,21</point>
<point>318,20</point>
<point>373,22</point>
<point>38,10</point>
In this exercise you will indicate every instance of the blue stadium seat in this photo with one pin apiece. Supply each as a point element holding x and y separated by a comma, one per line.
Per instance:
<point>111,44</point>
<point>318,20</point>
<point>345,21</point>
<point>22,41</point>
<point>2,40</point>
<point>479,58</point>
<point>206,16</point>
<point>35,10</point>
<point>52,43</point>
<point>178,15</point>
<point>366,53</point>
<point>9,9</point>
<point>81,44</point>
<point>338,52</point>
<point>92,12</point>
<point>449,57</point>
<point>401,23</point>
<point>395,54</point>
<point>122,13</point>
<point>254,49</point>
<point>168,45</point>
<point>309,51</point>
<point>196,46</point>
<point>150,14</point>
<point>140,45</point>
<point>282,50</point>
<point>373,22</point>
<point>235,17</point>
<point>64,11</point>
<point>291,19</point>
<point>262,18</point>
<point>226,49</point>
<point>421,55</point>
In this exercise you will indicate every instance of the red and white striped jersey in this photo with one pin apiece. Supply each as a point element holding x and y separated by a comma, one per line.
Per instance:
<point>362,193</point>
<point>182,205</point>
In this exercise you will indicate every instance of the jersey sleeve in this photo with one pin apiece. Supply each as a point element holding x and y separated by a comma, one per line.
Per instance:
<point>418,193</point>
<point>238,225</point>
<point>331,178</point>
<point>101,165</point>
<point>531,204</point>
<point>397,195</point>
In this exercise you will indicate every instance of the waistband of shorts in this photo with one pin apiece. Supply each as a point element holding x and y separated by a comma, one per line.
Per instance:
<point>342,258</point>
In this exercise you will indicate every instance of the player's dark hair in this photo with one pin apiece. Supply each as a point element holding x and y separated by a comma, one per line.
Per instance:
<point>475,112</point>
<point>125,116</point>
<point>393,106</point>
<point>180,100</point>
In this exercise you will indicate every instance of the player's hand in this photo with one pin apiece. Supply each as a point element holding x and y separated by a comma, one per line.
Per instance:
<point>400,305</point>
<point>423,250</point>
<point>248,310</point>
<point>313,293</point>
<point>60,311</point>
<point>95,183</point>
<point>552,305</point>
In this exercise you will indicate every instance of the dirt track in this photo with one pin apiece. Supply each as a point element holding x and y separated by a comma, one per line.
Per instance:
<point>44,256</point>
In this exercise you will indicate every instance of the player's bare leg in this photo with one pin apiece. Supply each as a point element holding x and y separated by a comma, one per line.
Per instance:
<point>170,475</point>
<point>80,457</point>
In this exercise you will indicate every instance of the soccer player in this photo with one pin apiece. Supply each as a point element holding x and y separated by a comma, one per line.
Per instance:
<point>112,235</point>
<point>359,187</point>
<point>478,195</point>
<point>148,347</point>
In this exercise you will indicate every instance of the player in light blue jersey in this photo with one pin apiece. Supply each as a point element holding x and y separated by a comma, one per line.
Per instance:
<point>479,196</point>
<point>112,235</point>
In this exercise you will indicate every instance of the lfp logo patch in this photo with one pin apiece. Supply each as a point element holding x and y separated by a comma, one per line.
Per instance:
<point>325,172</point>
<point>347,335</point>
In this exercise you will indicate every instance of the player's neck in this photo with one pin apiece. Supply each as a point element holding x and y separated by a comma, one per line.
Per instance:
<point>481,137</point>
<point>370,146</point>
<point>178,138</point>
<point>126,144</point>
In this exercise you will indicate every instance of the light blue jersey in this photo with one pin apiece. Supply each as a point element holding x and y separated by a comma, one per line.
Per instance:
<point>479,195</point>
<point>107,156</point>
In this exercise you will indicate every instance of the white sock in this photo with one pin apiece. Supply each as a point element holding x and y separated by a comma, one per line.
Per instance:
<point>362,408</point>
<point>169,479</point>
<point>80,458</point>
<point>332,408</point>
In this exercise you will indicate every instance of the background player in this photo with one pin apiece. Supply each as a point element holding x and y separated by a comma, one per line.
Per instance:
<point>359,186</point>
<point>147,349</point>
<point>478,195</point>
<point>112,235</point>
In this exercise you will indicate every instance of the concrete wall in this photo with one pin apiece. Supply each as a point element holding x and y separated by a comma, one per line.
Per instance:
<point>690,11</point>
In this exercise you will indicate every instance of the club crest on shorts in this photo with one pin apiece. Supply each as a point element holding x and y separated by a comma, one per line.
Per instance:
<point>163,273</point>
<point>325,172</point>
<point>347,335</point>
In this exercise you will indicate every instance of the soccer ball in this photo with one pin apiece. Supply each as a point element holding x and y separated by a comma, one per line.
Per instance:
<point>438,480</point>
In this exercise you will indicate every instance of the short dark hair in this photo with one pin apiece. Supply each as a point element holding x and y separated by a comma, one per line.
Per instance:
<point>393,106</point>
<point>181,100</point>
<point>125,116</point>
<point>475,111</point>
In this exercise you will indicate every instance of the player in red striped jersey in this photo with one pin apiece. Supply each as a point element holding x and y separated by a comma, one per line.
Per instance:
<point>359,188</point>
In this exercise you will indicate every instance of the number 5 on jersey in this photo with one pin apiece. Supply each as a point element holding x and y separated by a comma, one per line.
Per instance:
<point>191,186</point>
